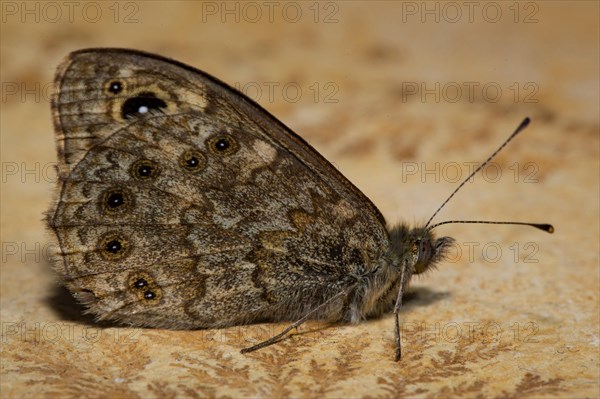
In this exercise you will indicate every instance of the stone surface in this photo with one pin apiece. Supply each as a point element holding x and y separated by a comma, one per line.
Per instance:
<point>516,314</point>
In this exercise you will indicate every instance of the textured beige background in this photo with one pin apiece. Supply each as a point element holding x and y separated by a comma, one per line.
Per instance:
<point>519,324</point>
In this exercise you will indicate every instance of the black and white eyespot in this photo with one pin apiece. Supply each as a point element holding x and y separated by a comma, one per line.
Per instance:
<point>144,287</point>
<point>114,87</point>
<point>115,200</point>
<point>222,144</point>
<point>113,246</point>
<point>192,161</point>
<point>144,169</point>
<point>140,283</point>
<point>143,103</point>
<point>148,295</point>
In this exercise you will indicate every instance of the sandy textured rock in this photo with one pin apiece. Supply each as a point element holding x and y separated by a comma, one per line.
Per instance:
<point>514,314</point>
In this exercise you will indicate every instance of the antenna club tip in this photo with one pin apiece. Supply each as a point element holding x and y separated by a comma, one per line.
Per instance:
<point>525,123</point>
<point>546,227</point>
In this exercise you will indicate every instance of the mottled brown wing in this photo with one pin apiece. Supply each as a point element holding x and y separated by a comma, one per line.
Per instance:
<point>184,204</point>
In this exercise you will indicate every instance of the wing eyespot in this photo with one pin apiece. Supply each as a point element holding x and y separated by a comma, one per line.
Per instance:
<point>143,103</point>
<point>222,145</point>
<point>144,169</point>
<point>144,287</point>
<point>192,161</point>
<point>140,283</point>
<point>115,201</point>
<point>148,295</point>
<point>115,87</point>
<point>113,247</point>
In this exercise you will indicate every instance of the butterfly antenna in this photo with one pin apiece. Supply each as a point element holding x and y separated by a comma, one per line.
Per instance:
<point>518,130</point>
<point>542,226</point>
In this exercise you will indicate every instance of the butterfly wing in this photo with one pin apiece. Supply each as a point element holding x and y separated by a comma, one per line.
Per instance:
<point>184,204</point>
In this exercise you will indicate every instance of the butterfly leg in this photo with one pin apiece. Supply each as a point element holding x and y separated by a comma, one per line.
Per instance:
<point>306,317</point>
<point>397,316</point>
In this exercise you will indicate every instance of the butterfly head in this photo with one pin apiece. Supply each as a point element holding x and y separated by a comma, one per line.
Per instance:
<point>427,250</point>
<point>418,249</point>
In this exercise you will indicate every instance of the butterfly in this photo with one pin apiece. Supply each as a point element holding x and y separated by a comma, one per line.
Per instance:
<point>183,204</point>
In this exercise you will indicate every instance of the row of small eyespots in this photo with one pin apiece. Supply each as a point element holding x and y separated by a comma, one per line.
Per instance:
<point>114,247</point>
<point>193,161</point>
